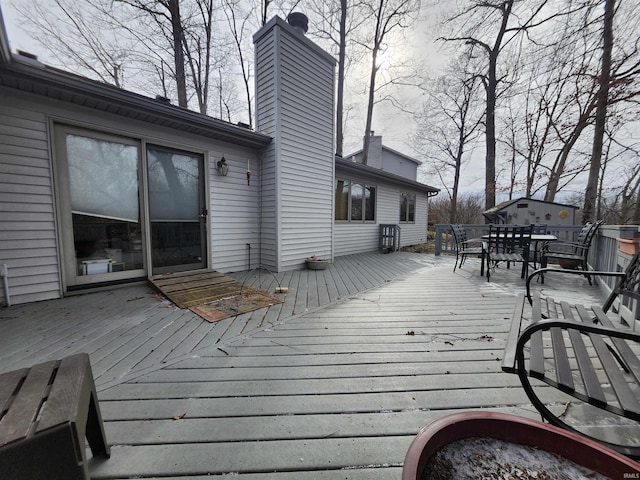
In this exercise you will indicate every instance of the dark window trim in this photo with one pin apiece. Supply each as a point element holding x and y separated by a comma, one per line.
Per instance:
<point>411,196</point>
<point>375,205</point>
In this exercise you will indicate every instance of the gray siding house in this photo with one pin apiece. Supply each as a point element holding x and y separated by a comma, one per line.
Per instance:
<point>390,178</point>
<point>102,186</point>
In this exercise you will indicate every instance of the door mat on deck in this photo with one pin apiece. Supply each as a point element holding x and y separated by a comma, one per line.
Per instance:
<point>211,295</point>
<point>245,301</point>
<point>190,289</point>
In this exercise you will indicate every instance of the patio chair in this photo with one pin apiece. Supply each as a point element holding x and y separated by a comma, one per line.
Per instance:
<point>508,243</point>
<point>537,246</point>
<point>571,252</point>
<point>467,247</point>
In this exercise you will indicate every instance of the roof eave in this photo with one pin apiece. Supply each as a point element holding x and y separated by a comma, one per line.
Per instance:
<point>357,168</point>
<point>32,76</point>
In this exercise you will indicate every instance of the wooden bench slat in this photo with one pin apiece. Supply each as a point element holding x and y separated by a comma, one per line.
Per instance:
<point>17,423</point>
<point>564,376</point>
<point>62,404</point>
<point>590,379</point>
<point>8,383</point>
<point>630,358</point>
<point>509,357</point>
<point>536,355</point>
<point>561,361</point>
<point>620,385</point>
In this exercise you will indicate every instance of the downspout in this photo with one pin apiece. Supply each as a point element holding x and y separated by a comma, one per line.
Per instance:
<point>4,273</point>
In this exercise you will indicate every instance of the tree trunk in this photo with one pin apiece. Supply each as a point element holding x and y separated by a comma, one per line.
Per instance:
<point>340,93</point>
<point>591,191</point>
<point>561,161</point>
<point>372,86</point>
<point>491,89</point>
<point>456,179</point>
<point>490,135</point>
<point>178,53</point>
<point>635,219</point>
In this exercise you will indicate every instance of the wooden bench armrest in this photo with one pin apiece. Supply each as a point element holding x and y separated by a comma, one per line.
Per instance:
<point>509,355</point>
<point>545,270</point>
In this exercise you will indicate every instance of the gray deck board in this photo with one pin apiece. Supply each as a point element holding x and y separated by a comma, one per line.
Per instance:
<point>362,402</point>
<point>411,368</point>
<point>319,386</point>
<point>333,383</point>
<point>283,455</point>
<point>268,428</point>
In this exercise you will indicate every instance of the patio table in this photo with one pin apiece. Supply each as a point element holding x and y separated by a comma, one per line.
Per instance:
<point>535,239</point>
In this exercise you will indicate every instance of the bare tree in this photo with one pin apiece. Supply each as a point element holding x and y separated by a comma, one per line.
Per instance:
<point>198,38</point>
<point>489,13</point>
<point>602,100</point>
<point>166,15</point>
<point>494,26</point>
<point>239,22</point>
<point>77,38</point>
<point>468,211</point>
<point>334,22</point>
<point>452,117</point>
<point>387,16</point>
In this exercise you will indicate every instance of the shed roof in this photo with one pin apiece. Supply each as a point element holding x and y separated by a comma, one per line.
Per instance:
<point>508,203</point>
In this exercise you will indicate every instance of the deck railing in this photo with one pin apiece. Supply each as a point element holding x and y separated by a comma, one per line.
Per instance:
<point>604,254</point>
<point>445,243</point>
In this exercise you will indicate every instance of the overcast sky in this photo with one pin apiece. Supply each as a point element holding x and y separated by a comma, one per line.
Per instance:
<point>395,126</point>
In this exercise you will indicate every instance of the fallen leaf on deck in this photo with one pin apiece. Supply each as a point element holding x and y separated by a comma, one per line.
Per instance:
<point>180,417</point>
<point>411,332</point>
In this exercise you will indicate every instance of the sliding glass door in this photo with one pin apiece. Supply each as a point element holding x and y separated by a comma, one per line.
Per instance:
<point>100,215</point>
<point>177,210</point>
<point>125,212</point>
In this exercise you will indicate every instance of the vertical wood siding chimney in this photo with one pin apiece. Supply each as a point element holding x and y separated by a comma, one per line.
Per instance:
<point>295,105</point>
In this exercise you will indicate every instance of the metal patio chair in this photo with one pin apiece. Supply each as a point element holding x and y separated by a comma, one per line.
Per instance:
<point>508,243</point>
<point>577,251</point>
<point>467,247</point>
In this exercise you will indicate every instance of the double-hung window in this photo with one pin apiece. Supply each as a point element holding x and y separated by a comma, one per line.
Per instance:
<point>355,201</point>
<point>407,207</point>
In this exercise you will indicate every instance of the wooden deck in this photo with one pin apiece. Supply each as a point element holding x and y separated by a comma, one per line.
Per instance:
<point>331,384</point>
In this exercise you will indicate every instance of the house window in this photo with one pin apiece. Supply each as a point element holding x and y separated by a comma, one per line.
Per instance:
<point>407,207</point>
<point>355,202</point>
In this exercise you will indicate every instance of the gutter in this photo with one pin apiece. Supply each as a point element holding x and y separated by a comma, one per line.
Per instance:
<point>28,74</point>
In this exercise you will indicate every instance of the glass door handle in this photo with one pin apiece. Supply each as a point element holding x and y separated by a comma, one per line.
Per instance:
<point>204,213</point>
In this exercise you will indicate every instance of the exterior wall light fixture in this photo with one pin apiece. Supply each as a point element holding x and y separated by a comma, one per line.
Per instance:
<point>223,167</point>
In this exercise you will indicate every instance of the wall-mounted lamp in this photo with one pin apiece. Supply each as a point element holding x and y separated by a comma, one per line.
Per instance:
<point>223,167</point>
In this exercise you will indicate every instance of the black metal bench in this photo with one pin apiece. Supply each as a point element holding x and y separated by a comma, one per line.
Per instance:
<point>584,351</point>
<point>47,410</point>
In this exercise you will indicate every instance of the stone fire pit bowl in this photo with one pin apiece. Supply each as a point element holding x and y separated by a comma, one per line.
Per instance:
<point>497,432</point>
